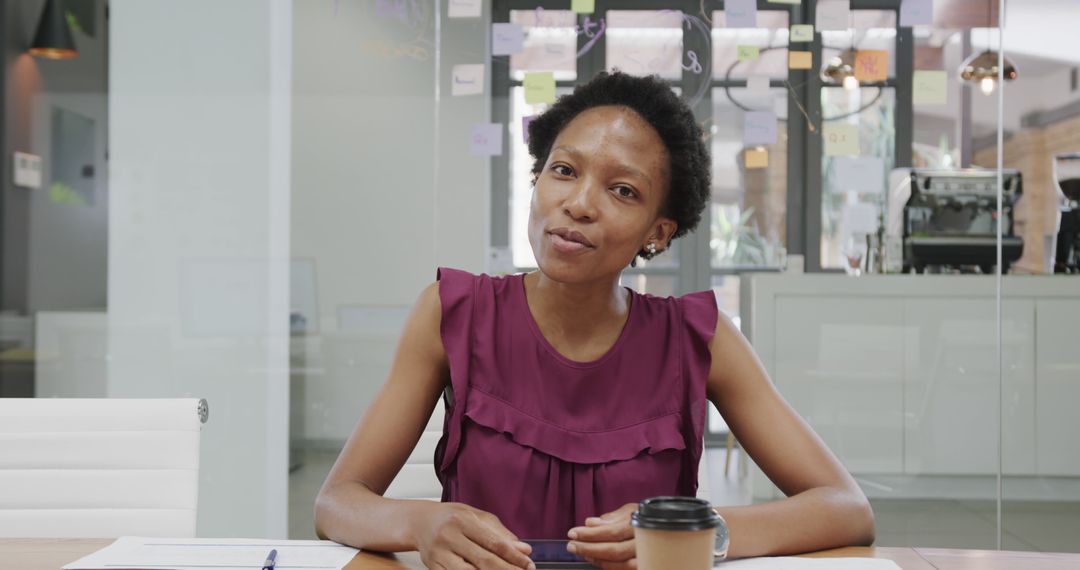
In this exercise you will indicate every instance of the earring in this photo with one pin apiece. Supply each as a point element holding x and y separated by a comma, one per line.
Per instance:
<point>651,248</point>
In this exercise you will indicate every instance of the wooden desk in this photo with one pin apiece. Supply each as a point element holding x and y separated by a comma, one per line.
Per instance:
<point>53,553</point>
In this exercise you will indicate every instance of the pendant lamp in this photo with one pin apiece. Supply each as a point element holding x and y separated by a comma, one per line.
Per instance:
<point>53,37</point>
<point>983,69</point>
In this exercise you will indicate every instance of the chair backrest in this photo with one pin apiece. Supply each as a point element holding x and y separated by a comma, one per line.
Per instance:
<point>417,479</point>
<point>99,468</point>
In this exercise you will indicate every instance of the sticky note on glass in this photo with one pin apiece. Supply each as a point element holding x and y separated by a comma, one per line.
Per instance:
<point>759,127</point>
<point>757,86</point>
<point>487,139</point>
<point>525,126</point>
<point>792,2</point>
<point>860,218</point>
<point>800,60</point>
<point>833,15</point>
<point>840,139</point>
<point>916,13</point>
<point>929,87</point>
<point>740,13</point>
<point>756,158</point>
<point>507,39</point>
<point>539,88</point>
<point>801,33</point>
<point>583,6</point>
<point>749,53</point>
<point>871,65</point>
<point>464,8</point>
<point>863,174</point>
<point>467,79</point>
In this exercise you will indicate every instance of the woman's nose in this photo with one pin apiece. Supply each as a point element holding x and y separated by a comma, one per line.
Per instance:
<point>580,203</point>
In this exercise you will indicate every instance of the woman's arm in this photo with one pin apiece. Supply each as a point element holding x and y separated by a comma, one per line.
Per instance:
<point>824,507</point>
<point>350,508</point>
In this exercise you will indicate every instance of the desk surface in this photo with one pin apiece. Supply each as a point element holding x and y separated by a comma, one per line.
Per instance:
<point>53,553</point>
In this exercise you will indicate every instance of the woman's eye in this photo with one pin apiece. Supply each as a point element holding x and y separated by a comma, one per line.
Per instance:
<point>562,170</point>
<point>625,191</point>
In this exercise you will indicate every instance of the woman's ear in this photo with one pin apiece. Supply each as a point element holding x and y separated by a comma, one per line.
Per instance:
<point>663,231</point>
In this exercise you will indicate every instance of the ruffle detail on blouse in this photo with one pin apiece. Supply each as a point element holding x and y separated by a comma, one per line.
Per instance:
<point>653,435</point>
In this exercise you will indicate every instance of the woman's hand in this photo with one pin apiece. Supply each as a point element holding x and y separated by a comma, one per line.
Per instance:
<point>453,536</point>
<point>606,541</point>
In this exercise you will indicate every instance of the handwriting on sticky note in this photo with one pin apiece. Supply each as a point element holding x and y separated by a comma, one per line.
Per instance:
<point>507,39</point>
<point>539,88</point>
<point>740,13</point>
<point>871,65</point>
<point>916,13</point>
<point>840,139</point>
<point>467,79</point>
<point>929,87</point>
<point>800,60</point>
<point>464,8</point>
<point>801,33</point>
<point>749,53</point>
<point>757,157</point>
<point>583,6</point>
<point>759,127</point>
<point>833,15</point>
<point>486,139</point>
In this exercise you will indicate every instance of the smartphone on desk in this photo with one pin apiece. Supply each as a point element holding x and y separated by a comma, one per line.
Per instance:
<point>553,554</point>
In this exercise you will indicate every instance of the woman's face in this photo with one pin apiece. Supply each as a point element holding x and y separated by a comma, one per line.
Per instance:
<point>598,199</point>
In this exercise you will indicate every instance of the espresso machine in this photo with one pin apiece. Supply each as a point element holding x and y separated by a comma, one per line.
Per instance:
<point>1067,177</point>
<point>950,221</point>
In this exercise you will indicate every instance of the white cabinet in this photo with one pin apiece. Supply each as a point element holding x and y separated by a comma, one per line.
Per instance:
<point>951,387</point>
<point>1058,387</point>
<point>838,362</point>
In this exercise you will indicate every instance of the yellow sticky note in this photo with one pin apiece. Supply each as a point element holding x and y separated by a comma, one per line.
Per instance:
<point>749,53</point>
<point>929,87</point>
<point>583,6</point>
<point>756,158</point>
<point>539,88</point>
<point>871,65</point>
<point>801,33</point>
<point>840,139</point>
<point>800,60</point>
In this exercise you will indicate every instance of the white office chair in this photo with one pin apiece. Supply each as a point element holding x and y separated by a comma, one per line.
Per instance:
<point>417,479</point>
<point>99,468</point>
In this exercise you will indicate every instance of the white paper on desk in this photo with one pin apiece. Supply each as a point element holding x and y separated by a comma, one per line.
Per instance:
<point>793,563</point>
<point>214,554</point>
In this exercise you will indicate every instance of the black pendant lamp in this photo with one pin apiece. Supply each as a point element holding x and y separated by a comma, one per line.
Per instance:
<point>53,37</point>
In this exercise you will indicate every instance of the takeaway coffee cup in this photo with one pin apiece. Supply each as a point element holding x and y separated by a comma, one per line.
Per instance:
<point>677,532</point>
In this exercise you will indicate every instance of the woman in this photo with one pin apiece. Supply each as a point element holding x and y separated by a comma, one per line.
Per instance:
<point>570,398</point>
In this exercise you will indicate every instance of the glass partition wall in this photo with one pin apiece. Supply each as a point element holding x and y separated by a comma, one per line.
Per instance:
<point>323,158</point>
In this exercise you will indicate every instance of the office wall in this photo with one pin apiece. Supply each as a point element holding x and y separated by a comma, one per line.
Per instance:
<point>54,252</point>
<point>199,123</point>
<point>384,187</point>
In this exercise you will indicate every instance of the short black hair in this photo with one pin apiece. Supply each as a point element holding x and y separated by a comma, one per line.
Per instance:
<point>654,101</point>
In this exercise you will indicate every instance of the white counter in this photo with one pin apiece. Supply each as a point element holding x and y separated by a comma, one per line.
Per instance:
<point>898,374</point>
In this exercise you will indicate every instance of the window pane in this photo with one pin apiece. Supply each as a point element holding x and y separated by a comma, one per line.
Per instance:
<point>550,43</point>
<point>771,38</point>
<point>871,109</point>
<point>521,175</point>
<point>645,42</point>
<point>749,205</point>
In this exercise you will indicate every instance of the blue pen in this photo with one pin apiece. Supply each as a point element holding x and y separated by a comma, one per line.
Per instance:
<point>271,559</point>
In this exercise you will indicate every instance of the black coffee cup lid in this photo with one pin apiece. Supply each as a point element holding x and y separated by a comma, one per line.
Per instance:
<point>675,513</point>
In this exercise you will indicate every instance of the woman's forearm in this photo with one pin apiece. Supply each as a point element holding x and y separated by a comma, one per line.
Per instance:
<point>816,519</point>
<point>352,514</point>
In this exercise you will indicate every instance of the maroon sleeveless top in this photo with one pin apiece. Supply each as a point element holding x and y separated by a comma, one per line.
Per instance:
<point>543,441</point>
